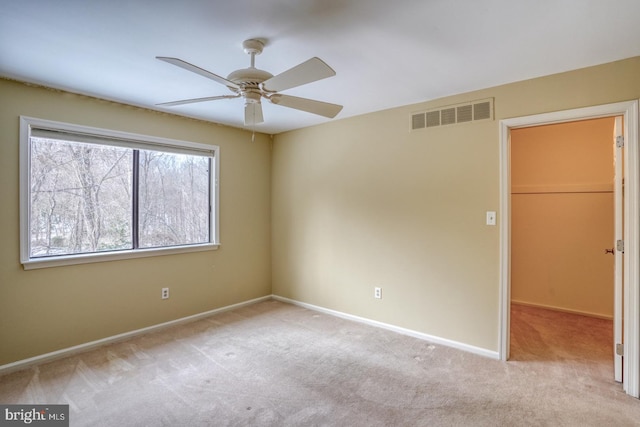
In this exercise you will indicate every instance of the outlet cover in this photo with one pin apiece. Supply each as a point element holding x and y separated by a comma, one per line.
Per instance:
<point>165,293</point>
<point>377,293</point>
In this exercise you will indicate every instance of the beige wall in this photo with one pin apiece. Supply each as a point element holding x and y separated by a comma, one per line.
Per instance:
<point>352,204</point>
<point>562,216</point>
<point>363,202</point>
<point>54,308</point>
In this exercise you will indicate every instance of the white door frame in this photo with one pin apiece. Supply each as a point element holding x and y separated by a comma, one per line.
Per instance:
<point>618,259</point>
<point>628,109</point>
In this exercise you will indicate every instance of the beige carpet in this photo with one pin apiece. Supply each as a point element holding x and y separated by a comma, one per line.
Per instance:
<point>274,364</point>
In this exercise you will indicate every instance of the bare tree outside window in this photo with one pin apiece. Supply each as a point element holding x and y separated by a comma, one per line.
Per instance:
<point>80,198</point>
<point>174,199</point>
<point>97,193</point>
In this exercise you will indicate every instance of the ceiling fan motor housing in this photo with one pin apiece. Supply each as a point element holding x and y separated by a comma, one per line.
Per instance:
<point>247,76</point>
<point>248,80</point>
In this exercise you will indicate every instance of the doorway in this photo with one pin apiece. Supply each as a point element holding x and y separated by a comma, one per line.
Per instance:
<point>562,229</point>
<point>562,217</point>
<point>629,110</point>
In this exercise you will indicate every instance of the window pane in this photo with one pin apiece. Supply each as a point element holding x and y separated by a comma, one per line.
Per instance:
<point>173,199</point>
<point>80,198</point>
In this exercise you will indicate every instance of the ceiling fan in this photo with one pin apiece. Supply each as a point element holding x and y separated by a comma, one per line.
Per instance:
<point>253,84</point>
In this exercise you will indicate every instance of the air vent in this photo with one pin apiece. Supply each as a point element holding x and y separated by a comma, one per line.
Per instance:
<point>417,121</point>
<point>448,116</point>
<point>433,118</point>
<point>482,110</point>
<point>453,114</point>
<point>464,113</point>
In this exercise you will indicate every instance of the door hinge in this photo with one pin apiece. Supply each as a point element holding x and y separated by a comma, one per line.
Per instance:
<point>620,141</point>
<point>620,245</point>
<point>620,349</point>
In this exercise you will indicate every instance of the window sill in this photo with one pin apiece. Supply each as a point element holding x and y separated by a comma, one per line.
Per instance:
<point>59,261</point>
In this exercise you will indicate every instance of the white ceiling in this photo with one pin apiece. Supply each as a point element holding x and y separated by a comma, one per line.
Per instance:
<point>385,53</point>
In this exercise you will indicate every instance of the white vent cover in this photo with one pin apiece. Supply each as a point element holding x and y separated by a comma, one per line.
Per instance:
<point>452,114</point>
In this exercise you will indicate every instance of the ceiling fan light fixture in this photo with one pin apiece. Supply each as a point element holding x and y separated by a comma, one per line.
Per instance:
<point>252,96</point>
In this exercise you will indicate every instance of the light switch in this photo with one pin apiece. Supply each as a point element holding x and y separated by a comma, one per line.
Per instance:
<point>491,218</point>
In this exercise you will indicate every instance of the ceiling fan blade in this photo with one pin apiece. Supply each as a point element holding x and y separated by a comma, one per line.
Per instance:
<point>309,71</point>
<point>194,69</point>
<point>193,100</point>
<point>253,113</point>
<point>309,105</point>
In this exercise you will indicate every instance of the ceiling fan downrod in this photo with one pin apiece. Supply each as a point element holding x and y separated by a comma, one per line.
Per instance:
<point>253,47</point>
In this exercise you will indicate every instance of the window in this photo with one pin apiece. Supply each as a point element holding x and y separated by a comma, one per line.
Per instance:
<point>92,195</point>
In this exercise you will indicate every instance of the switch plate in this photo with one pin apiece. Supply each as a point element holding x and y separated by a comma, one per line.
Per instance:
<point>491,218</point>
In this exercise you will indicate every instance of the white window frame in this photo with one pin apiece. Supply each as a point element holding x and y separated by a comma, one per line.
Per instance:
<point>128,139</point>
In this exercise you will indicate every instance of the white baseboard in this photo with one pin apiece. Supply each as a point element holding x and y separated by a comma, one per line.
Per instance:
<point>65,352</point>
<point>563,310</point>
<point>21,364</point>
<point>436,340</point>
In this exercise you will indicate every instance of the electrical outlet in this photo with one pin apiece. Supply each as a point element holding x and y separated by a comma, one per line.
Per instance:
<point>165,293</point>
<point>377,293</point>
